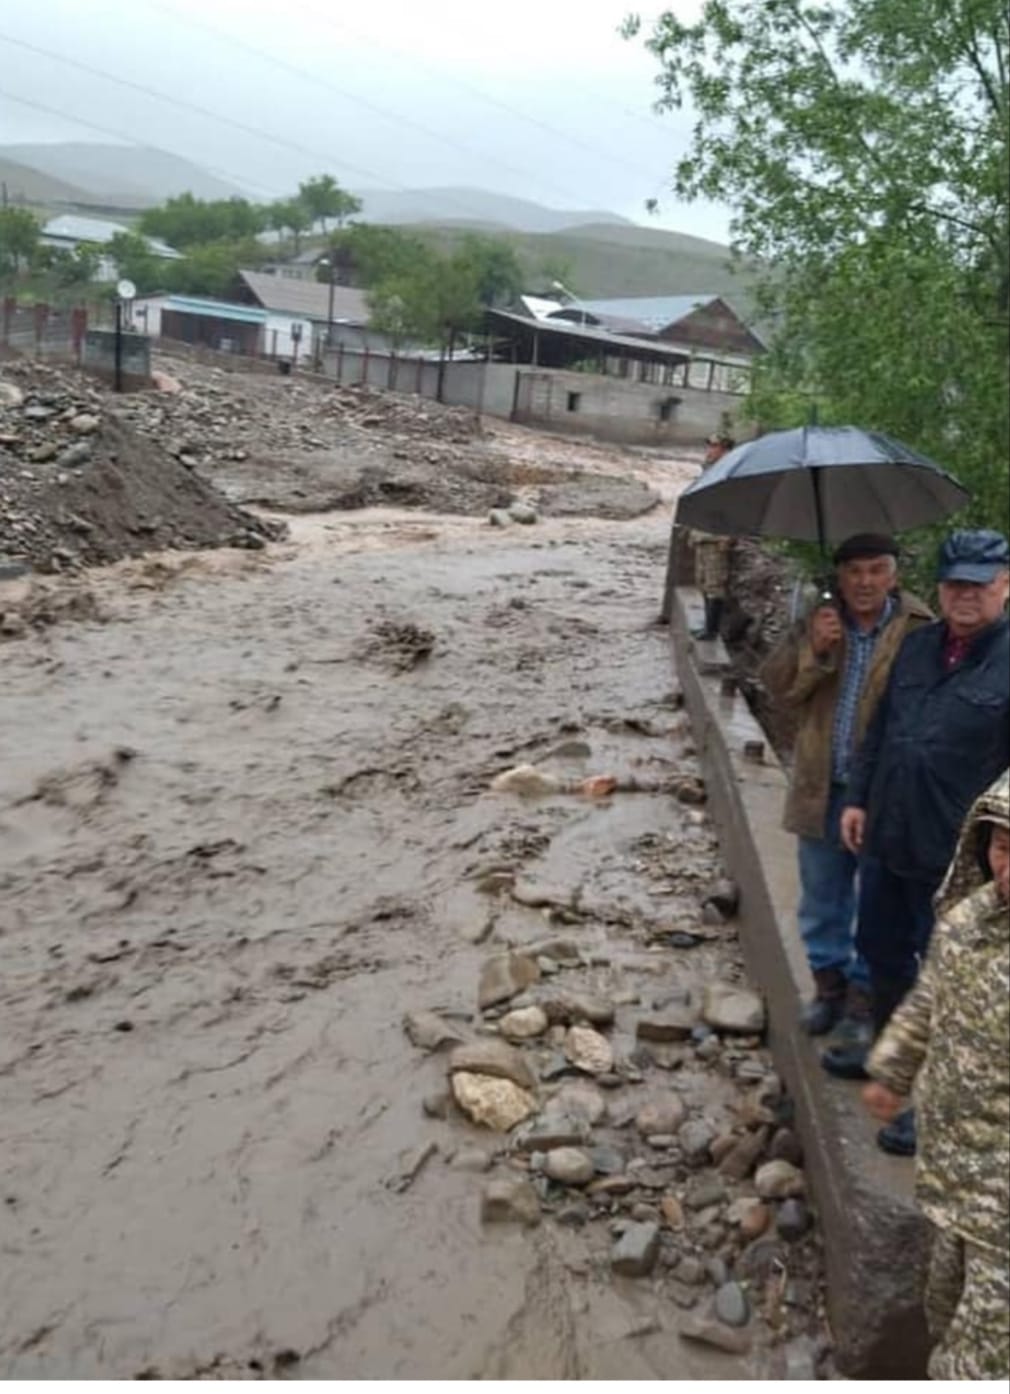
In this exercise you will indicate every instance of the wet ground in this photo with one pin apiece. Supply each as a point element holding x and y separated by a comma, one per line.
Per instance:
<point>244,819</point>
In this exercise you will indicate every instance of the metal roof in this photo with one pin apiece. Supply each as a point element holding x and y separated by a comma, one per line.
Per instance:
<point>69,227</point>
<point>307,299</point>
<point>654,311</point>
<point>215,309</point>
<point>619,344</point>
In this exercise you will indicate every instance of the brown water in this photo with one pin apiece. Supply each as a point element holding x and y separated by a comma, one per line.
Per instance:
<point>238,837</point>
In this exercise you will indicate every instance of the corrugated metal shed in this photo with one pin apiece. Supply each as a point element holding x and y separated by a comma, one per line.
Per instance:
<point>656,312</point>
<point>69,227</point>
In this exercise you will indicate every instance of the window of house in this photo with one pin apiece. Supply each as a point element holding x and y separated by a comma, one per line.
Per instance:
<point>667,408</point>
<point>573,400</point>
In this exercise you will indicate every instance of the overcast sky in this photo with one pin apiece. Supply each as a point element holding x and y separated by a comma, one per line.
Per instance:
<point>537,98</point>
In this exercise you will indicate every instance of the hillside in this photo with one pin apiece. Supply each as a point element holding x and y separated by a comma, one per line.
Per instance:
<point>120,175</point>
<point>27,185</point>
<point>475,208</point>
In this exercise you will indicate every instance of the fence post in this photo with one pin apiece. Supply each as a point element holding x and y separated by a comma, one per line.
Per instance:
<point>9,307</point>
<point>364,366</point>
<point>41,316</point>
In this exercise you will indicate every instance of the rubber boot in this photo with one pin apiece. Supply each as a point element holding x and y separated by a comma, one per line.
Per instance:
<point>845,1057</point>
<point>714,606</point>
<point>825,1011</point>
<point>898,1136</point>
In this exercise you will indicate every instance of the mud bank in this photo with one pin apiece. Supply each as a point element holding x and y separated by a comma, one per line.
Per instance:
<point>244,824</point>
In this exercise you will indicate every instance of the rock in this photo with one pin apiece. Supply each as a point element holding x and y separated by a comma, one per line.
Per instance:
<point>573,1008</point>
<point>548,966</point>
<point>703,1192</point>
<point>709,1331</point>
<point>695,1138</point>
<point>779,1180</point>
<point>587,1050</point>
<point>709,1048</point>
<point>634,1255</point>
<point>662,1114</point>
<point>48,450</point>
<point>74,456</point>
<point>612,1186</point>
<point>492,1057</point>
<point>573,1216</point>
<point>672,1212</point>
<point>10,396</point>
<point>682,1296</point>
<point>510,1202</point>
<point>524,514</point>
<point>84,425</point>
<point>525,780</point>
<point>750,1215</point>
<point>503,976</point>
<point>473,1159</point>
<point>496,1103</point>
<point>662,1141</point>
<point>724,895</point>
<point>428,1031</point>
<point>740,1161</point>
<point>499,518</point>
<point>785,1146</point>
<point>607,1161</point>
<point>793,1220</point>
<point>801,1359</point>
<point>569,1165</point>
<point>643,1213</point>
<point>691,791</point>
<point>731,1305</point>
<point>759,1260</point>
<point>437,1105</point>
<point>523,1024</point>
<point>728,1008</point>
<point>579,1096</point>
<point>674,1023</point>
<point>691,1270</point>
<point>554,1130</point>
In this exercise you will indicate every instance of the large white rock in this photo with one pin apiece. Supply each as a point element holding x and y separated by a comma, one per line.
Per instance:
<point>727,1007</point>
<point>494,1103</point>
<point>587,1050</point>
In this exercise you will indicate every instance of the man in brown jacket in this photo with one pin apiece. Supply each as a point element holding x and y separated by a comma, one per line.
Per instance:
<point>830,671</point>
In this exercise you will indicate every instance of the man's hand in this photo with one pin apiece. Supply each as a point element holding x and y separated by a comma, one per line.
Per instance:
<point>882,1102</point>
<point>852,828</point>
<point>825,630</point>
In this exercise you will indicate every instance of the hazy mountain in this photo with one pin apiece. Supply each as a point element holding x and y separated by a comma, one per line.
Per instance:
<point>27,185</point>
<point>475,207</point>
<point>120,174</point>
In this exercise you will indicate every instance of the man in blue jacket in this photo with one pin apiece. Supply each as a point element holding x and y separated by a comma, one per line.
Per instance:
<point>940,736</point>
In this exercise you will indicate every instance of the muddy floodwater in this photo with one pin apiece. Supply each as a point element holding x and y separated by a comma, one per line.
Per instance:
<point>246,825</point>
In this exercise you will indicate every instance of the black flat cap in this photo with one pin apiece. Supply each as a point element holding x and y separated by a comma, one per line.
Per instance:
<point>866,544</point>
<point>973,556</point>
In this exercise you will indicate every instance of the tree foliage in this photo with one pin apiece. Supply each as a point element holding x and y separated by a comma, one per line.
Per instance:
<point>863,148</point>
<point>186,221</point>
<point>323,197</point>
<point>19,239</point>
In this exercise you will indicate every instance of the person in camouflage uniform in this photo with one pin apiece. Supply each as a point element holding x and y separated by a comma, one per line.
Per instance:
<point>951,1039</point>
<point>712,554</point>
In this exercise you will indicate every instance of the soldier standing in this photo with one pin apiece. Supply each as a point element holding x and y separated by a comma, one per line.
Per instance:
<point>951,1039</point>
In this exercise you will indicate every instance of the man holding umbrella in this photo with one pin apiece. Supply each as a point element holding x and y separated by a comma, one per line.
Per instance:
<point>829,672</point>
<point>712,554</point>
<point>940,736</point>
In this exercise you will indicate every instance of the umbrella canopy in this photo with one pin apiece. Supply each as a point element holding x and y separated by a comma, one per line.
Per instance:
<point>820,484</point>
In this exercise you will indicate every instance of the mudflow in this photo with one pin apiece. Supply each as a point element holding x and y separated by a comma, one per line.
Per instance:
<point>326,1052</point>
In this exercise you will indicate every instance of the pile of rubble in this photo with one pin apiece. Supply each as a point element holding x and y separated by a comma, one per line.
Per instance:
<point>78,485</point>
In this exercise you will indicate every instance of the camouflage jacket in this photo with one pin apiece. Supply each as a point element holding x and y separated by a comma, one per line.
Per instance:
<point>951,1039</point>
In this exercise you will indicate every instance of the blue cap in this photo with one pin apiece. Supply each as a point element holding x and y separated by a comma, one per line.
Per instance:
<point>973,556</point>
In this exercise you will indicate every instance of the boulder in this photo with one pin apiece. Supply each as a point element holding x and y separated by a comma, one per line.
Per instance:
<point>674,1023</point>
<point>710,1331</point>
<point>663,1113</point>
<point>729,1008</point>
<point>573,1008</point>
<point>569,1165</point>
<point>503,977</point>
<point>731,1305</point>
<point>579,1096</point>
<point>510,1202</point>
<point>495,1103</point>
<point>428,1031</point>
<point>779,1180</point>
<point>554,1130</point>
<point>523,1024</point>
<point>587,1050</point>
<point>492,1057</point>
<point>634,1255</point>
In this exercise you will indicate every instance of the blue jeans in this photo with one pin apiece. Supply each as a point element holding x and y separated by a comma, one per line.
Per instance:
<point>895,922</point>
<point>827,910</point>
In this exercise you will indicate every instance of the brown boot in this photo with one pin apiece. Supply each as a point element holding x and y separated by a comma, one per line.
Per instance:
<point>820,1015</point>
<point>845,1057</point>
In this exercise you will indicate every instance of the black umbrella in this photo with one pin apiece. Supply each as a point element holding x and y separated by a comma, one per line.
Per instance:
<point>819,484</point>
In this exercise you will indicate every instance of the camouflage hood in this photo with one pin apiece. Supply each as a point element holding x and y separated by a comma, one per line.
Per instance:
<point>969,870</point>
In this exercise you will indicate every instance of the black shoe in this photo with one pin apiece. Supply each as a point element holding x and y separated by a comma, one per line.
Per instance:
<point>845,1058</point>
<point>898,1137</point>
<point>821,1015</point>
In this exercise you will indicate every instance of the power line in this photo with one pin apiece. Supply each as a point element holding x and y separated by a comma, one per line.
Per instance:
<point>217,118</point>
<point>384,112</point>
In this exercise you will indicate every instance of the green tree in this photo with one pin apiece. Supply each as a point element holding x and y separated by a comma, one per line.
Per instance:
<point>492,265</point>
<point>290,215</point>
<point>324,198</point>
<point>863,149</point>
<point>19,239</point>
<point>136,262</point>
<point>185,221</point>
<point>212,269</point>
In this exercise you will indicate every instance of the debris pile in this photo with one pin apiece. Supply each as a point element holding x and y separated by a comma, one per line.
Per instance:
<point>79,485</point>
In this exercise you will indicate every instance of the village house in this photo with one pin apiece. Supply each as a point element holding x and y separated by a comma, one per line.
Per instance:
<point>69,231</point>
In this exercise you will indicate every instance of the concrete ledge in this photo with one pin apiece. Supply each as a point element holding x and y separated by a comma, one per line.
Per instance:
<point>875,1238</point>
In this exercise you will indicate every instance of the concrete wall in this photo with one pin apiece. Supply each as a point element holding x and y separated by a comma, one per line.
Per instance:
<point>100,356</point>
<point>591,404</point>
<point>875,1238</point>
